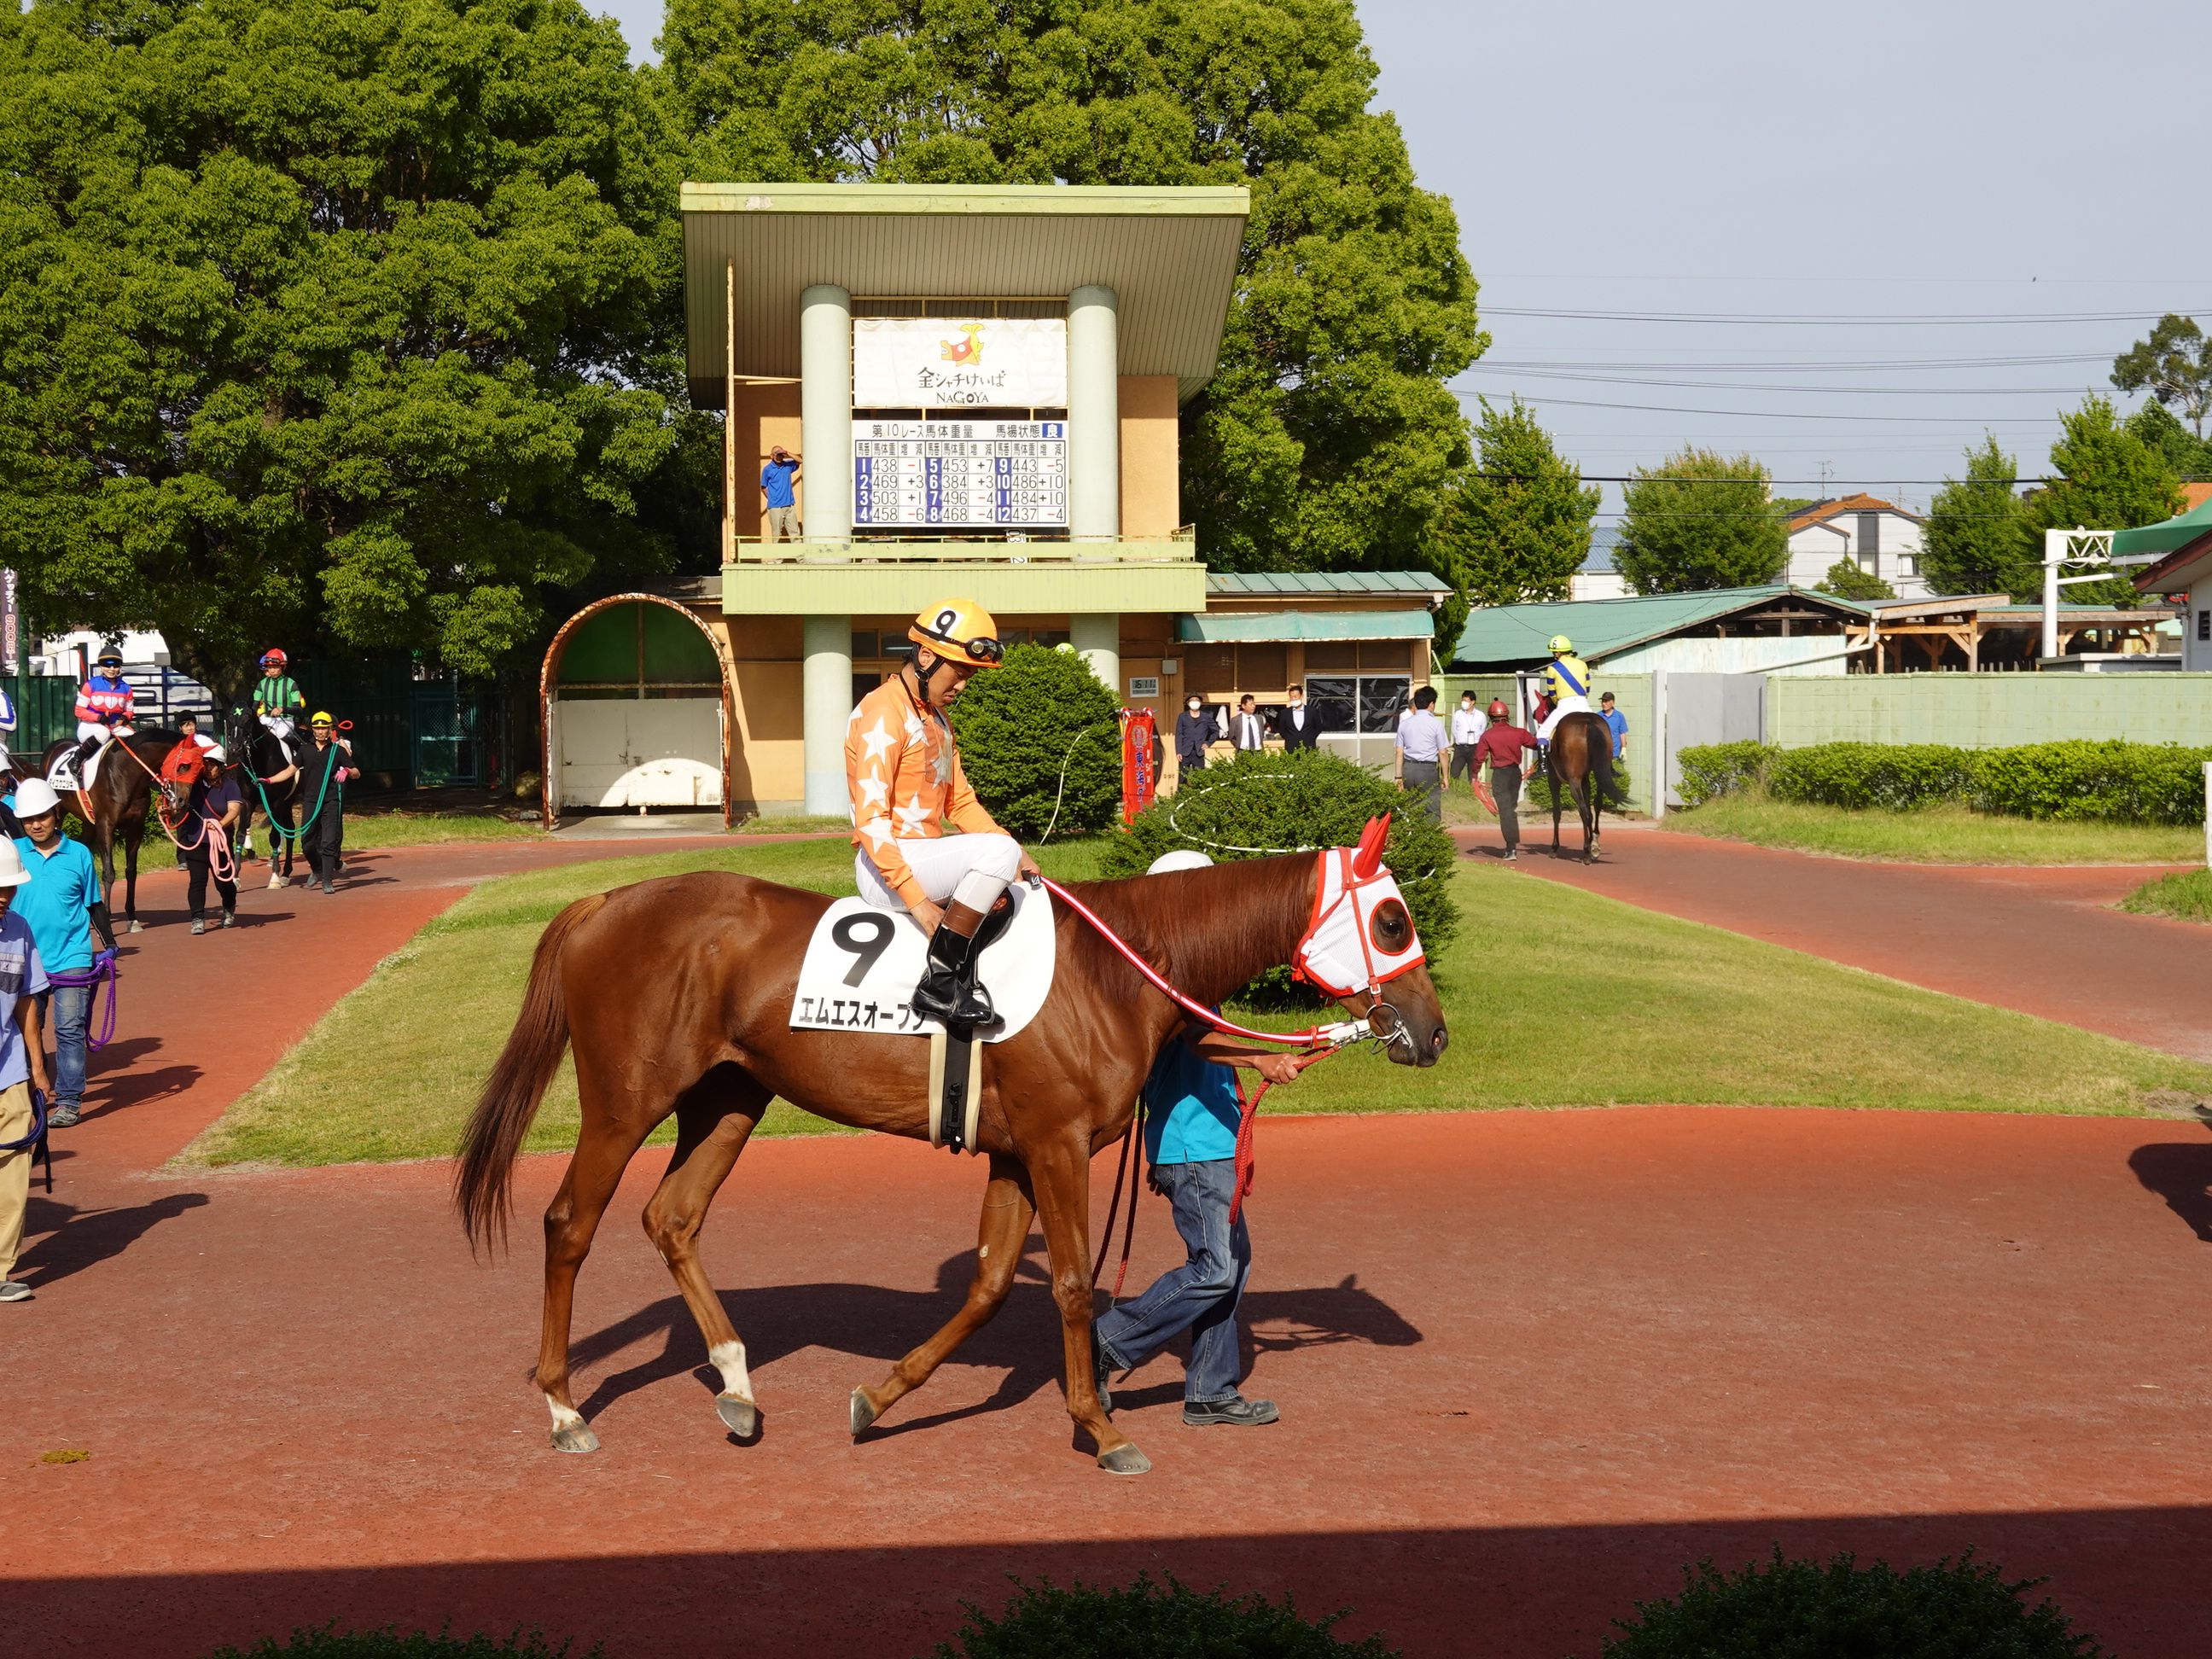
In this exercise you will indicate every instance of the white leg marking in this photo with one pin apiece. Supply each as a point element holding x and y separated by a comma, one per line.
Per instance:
<point>729,1358</point>
<point>564,1417</point>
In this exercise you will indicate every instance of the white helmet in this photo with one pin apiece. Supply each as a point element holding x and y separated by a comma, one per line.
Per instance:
<point>1184,858</point>
<point>12,872</point>
<point>214,752</point>
<point>35,796</point>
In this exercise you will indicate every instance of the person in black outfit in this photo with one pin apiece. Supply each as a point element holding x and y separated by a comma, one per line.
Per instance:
<point>213,808</point>
<point>1299,726</point>
<point>324,775</point>
<point>1195,729</point>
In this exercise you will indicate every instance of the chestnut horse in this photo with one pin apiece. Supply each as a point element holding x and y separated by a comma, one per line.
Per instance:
<point>116,808</point>
<point>675,996</point>
<point>1579,763</point>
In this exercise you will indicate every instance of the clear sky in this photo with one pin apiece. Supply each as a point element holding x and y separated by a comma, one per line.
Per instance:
<point>1943,161</point>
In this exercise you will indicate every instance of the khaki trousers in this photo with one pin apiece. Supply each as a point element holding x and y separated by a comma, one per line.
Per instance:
<point>782,525</point>
<point>15,1173</point>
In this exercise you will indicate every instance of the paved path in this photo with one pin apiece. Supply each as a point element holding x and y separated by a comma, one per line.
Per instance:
<point>1530,1363</point>
<point>2043,940</point>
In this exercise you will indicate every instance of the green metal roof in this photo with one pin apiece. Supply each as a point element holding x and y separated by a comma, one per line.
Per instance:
<point>1229,583</point>
<point>1220,628</point>
<point>1605,628</point>
<point>2169,536</point>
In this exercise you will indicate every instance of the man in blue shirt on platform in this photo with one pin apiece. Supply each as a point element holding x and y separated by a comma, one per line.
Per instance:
<point>1190,1141</point>
<point>776,478</point>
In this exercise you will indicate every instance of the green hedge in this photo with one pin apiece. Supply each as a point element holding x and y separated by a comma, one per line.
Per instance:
<point>1146,1618</point>
<point>2105,781</point>
<point>1784,1610</point>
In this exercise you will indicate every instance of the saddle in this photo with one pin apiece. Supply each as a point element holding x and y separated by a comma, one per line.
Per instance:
<point>862,964</point>
<point>62,774</point>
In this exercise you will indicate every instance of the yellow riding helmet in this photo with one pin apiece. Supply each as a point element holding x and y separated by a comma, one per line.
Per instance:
<point>959,630</point>
<point>1559,645</point>
<point>322,719</point>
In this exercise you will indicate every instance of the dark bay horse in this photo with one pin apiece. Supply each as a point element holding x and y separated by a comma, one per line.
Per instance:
<point>675,996</point>
<point>254,748</point>
<point>116,806</point>
<point>1580,762</point>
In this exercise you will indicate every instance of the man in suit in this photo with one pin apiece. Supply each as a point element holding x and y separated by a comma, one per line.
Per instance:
<point>1248,731</point>
<point>1298,726</point>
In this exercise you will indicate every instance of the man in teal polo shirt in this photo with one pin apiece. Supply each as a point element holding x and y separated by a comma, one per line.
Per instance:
<point>1190,1140</point>
<point>62,904</point>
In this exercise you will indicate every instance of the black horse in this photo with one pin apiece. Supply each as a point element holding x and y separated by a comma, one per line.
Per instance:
<point>259,756</point>
<point>1579,763</point>
<point>116,808</point>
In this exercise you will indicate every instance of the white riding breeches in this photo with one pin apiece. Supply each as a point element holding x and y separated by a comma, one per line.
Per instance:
<point>973,869</point>
<point>276,724</point>
<point>97,729</point>
<point>1560,710</point>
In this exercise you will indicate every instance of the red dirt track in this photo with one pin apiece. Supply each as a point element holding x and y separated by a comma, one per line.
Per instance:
<point>1530,1364</point>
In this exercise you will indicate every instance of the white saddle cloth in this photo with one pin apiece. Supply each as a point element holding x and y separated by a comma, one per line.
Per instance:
<point>62,774</point>
<point>863,962</point>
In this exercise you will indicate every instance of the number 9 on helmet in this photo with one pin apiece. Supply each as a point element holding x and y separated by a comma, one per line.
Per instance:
<point>959,630</point>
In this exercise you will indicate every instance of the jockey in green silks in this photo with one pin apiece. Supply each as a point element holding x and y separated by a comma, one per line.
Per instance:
<point>1566,682</point>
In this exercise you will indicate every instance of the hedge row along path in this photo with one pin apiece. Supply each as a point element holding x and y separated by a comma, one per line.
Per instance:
<point>2044,940</point>
<point>1530,1364</point>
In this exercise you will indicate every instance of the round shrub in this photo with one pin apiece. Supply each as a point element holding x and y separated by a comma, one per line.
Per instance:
<point>1044,1622</point>
<point>1019,723</point>
<point>1712,769</point>
<point>1281,801</point>
<point>1896,775</point>
<point>1784,1610</point>
<point>2111,780</point>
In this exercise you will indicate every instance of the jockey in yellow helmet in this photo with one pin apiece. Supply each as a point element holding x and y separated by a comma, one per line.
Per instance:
<point>903,771</point>
<point>1566,682</point>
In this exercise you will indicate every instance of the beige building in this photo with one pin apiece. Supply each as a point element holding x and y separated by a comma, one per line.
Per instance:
<point>984,385</point>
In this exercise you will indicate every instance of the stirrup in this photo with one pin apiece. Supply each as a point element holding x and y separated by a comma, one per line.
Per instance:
<point>945,995</point>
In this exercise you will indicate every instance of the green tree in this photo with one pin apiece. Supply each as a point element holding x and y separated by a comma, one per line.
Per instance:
<point>2190,456</point>
<point>1846,580</point>
<point>331,323</point>
<point>1328,439</point>
<point>2107,478</point>
<point>1040,742</point>
<point>1698,520</point>
<point>1977,539</point>
<point>2174,365</point>
<point>1516,524</point>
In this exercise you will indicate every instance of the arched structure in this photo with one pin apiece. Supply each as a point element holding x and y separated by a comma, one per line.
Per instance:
<point>635,709</point>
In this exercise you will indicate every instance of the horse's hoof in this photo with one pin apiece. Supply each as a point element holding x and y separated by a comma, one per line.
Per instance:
<point>864,1412</point>
<point>739,1414</point>
<point>575,1437</point>
<point>1125,1460</point>
<point>277,881</point>
<point>136,927</point>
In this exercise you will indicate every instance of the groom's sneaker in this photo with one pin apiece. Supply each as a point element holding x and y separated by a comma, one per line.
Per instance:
<point>1236,1409</point>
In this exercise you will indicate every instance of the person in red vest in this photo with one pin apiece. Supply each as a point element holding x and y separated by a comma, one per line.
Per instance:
<point>104,707</point>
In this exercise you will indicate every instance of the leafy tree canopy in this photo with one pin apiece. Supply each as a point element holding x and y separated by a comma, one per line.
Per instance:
<point>2190,456</point>
<point>1516,524</point>
<point>1698,520</point>
<point>323,319</point>
<point>1846,580</point>
<point>2174,365</point>
<point>1328,438</point>
<point>2108,479</point>
<point>1977,539</point>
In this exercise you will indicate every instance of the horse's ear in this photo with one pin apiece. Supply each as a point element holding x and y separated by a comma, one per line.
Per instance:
<point>1369,857</point>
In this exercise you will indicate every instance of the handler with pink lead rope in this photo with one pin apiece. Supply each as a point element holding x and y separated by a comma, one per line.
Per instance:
<point>63,904</point>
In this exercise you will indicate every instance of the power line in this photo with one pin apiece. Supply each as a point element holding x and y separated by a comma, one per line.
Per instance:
<point>1819,366</point>
<point>1815,391</point>
<point>1782,319</point>
<point>1773,414</point>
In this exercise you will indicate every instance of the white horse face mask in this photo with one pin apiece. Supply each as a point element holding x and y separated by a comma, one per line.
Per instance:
<point>1362,935</point>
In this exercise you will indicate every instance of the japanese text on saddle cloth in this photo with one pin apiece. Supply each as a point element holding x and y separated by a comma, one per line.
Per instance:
<point>903,770</point>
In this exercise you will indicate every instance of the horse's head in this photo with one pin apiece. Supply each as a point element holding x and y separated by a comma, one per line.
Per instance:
<point>1361,949</point>
<point>239,729</point>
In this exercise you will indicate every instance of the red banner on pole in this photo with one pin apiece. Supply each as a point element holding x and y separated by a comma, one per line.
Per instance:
<point>1139,783</point>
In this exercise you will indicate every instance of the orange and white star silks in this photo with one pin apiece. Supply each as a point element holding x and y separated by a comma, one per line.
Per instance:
<point>902,771</point>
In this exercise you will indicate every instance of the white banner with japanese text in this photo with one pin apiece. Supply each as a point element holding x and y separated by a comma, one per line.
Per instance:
<point>950,362</point>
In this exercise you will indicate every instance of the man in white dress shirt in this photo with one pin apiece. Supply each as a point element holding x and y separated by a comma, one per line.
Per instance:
<point>1300,727</point>
<point>1248,731</point>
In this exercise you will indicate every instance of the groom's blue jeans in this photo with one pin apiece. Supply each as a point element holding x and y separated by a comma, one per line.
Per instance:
<point>1202,1295</point>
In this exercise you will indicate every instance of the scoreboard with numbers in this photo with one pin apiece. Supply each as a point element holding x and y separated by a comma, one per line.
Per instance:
<point>973,473</point>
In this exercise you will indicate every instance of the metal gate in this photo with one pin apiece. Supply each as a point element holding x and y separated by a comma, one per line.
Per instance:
<point>448,740</point>
<point>1702,708</point>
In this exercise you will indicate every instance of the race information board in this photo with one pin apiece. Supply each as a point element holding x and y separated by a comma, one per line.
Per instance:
<point>975,473</point>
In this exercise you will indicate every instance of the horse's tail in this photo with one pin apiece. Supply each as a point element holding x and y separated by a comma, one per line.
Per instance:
<point>1600,737</point>
<point>516,1086</point>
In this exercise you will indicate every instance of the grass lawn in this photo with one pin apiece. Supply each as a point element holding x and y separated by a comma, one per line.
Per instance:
<point>366,831</point>
<point>795,823</point>
<point>1653,1010</point>
<point>1949,833</point>
<point>2187,895</point>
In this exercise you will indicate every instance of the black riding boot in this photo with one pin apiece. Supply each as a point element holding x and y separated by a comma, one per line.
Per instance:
<point>85,751</point>
<point>948,991</point>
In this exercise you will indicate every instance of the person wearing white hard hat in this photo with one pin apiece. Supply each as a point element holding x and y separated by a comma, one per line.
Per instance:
<point>63,907</point>
<point>213,808</point>
<point>23,1067</point>
<point>1191,1118</point>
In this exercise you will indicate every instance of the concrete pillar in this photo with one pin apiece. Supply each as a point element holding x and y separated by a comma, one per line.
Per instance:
<point>825,412</point>
<point>826,703</point>
<point>1094,414</point>
<point>1098,639</point>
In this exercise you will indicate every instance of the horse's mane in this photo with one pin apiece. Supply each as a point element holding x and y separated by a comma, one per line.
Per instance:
<point>1207,931</point>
